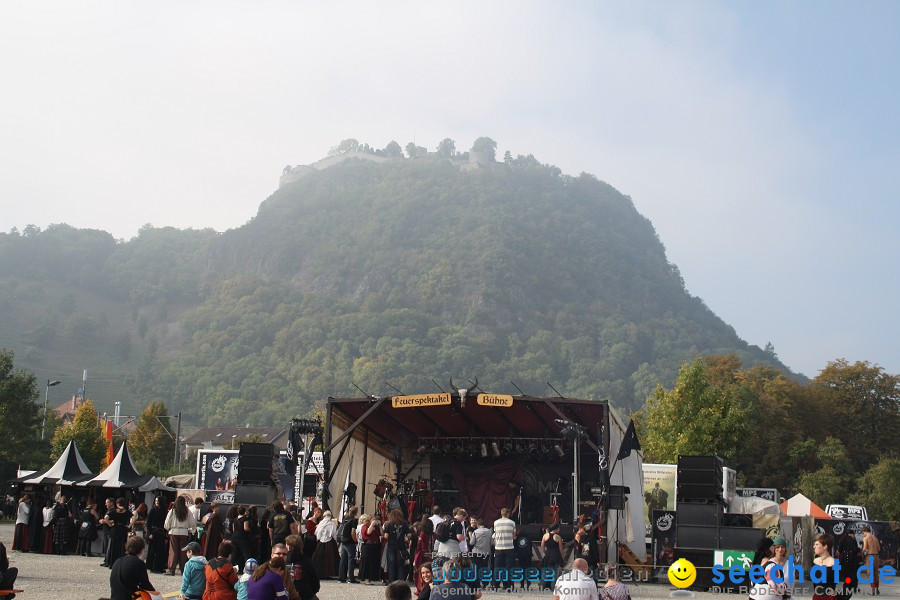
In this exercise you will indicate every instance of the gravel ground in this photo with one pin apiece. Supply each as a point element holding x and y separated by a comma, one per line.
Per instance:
<point>48,577</point>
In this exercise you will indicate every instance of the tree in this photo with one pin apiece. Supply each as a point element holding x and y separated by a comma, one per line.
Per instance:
<point>411,150</point>
<point>864,402</point>
<point>85,430</point>
<point>150,442</point>
<point>348,145</point>
<point>20,418</point>
<point>829,473</point>
<point>877,490</point>
<point>486,147</point>
<point>446,148</point>
<point>393,150</point>
<point>698,416</point>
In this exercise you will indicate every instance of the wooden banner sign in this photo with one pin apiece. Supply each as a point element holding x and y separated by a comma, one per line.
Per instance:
<point>495,400</point>
<point>420,400</point>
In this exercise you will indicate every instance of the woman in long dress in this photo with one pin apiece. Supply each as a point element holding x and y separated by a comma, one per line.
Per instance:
<point>20,537</point>
<point>212,534</point>
<point>118,521</point>
<point>325,557</point>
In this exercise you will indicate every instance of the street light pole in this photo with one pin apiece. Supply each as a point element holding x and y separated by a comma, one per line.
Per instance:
<point>50,384</point>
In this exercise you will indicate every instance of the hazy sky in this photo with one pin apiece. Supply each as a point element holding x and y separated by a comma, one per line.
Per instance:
<point>760,138</point>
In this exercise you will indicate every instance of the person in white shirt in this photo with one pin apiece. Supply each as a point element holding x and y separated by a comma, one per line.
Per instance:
<point>435,518</point>
<point>576,584</point>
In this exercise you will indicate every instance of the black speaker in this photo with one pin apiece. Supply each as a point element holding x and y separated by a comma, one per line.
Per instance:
<point>702,561</point>
<point>259,476</point>
<point>699,514</point>
<point>708,493</point>
<point>255,462</point>
<point>740,538</point>
<point>256,449</point>
<point>697,536</point>
<point>617,496</point>
<point>701,463</point>
<point>250,494</point>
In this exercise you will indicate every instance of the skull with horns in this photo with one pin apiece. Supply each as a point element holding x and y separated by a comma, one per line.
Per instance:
<point>463,391</point>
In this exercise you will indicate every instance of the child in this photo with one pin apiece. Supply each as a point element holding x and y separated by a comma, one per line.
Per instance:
<point>193,579</point>
<point>241,586</point>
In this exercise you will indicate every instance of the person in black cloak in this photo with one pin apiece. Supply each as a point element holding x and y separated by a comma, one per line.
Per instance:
<point>848,555</point>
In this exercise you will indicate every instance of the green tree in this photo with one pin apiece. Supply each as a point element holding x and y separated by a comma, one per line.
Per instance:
<point>486,147</point>
<point>447,148</point>
<point>348,145</point>
<point>20,418</point>
<point>826,473</point>
<point>411,150</point>
<point>151,443</point>
<point>708,412</point>
<point>864,402</point>
<point>85,430</point>
<point>877,490</point>
<point>393,150</point>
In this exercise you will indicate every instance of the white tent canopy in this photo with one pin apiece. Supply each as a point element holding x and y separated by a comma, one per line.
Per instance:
<point>69,469</point>
<point>753,505</point>
<point>120,473</point>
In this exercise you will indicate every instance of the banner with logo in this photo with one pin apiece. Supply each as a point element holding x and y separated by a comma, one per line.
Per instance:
<point>838,529</point>
<point>663,537</point>
<point>659,491</point>
<point>217,470</point>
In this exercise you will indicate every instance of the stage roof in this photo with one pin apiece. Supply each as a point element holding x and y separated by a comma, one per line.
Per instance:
<point>528,417</point>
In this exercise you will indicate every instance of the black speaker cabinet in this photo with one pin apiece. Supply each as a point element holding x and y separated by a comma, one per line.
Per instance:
<point>618,496</point>
<point>701,463</point>
<point>699,514</point>
<point>261,476</point>
<point>697,536</point>
<point>702,561</point>
<point>740,538</point>
<point>707,493</point>
<point>256,449</point>
<point>250,494</point>
<point>252,461</point>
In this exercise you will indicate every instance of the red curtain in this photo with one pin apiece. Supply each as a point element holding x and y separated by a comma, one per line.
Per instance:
<point>486,488</point>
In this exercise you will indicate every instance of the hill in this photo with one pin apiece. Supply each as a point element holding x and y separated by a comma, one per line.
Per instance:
<point>396,271</point>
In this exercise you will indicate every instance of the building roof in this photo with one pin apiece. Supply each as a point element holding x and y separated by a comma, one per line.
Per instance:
<point>222,436</point>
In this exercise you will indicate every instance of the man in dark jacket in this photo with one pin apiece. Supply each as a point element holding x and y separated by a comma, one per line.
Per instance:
<point>7,574</point>
<point>129,573</point>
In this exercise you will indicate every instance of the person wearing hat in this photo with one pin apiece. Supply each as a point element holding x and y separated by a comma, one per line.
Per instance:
<point>193,578</point>
<point>780,558</point>
<point>250,565</point>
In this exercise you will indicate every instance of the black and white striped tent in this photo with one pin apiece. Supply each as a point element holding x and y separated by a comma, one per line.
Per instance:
<point>69,469</point>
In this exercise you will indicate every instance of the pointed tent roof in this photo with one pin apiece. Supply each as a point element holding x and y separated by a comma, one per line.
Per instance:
<point>120,473</point>
<point>801,506</point>
<point>69,469</point>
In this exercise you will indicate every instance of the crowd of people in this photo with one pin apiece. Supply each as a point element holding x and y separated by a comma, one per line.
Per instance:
<point>209,547</point>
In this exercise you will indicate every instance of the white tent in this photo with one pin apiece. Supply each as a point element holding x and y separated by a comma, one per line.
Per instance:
<point>753,505</point>
<point>801,506</point>
<point>625,526</point>
<point>69,469</point>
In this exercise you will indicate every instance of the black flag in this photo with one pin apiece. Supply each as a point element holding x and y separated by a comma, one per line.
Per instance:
<point>629,442</point>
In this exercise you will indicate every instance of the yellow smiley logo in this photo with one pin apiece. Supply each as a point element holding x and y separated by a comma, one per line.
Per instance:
<point>682,573</point>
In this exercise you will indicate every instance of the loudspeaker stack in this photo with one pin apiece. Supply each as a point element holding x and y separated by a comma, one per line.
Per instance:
<point>701,519</point>
<point>254,476</point>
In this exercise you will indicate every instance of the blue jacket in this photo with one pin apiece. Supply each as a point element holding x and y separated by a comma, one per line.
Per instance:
<point>193,579</point>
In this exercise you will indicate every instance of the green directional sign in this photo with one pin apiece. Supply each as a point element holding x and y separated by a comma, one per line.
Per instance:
<point>730,558</point>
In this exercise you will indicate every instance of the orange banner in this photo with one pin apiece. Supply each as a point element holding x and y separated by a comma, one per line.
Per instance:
<point>110,454</point>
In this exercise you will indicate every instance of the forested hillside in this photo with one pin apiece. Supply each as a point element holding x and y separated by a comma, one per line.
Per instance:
<point>398,272</point>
